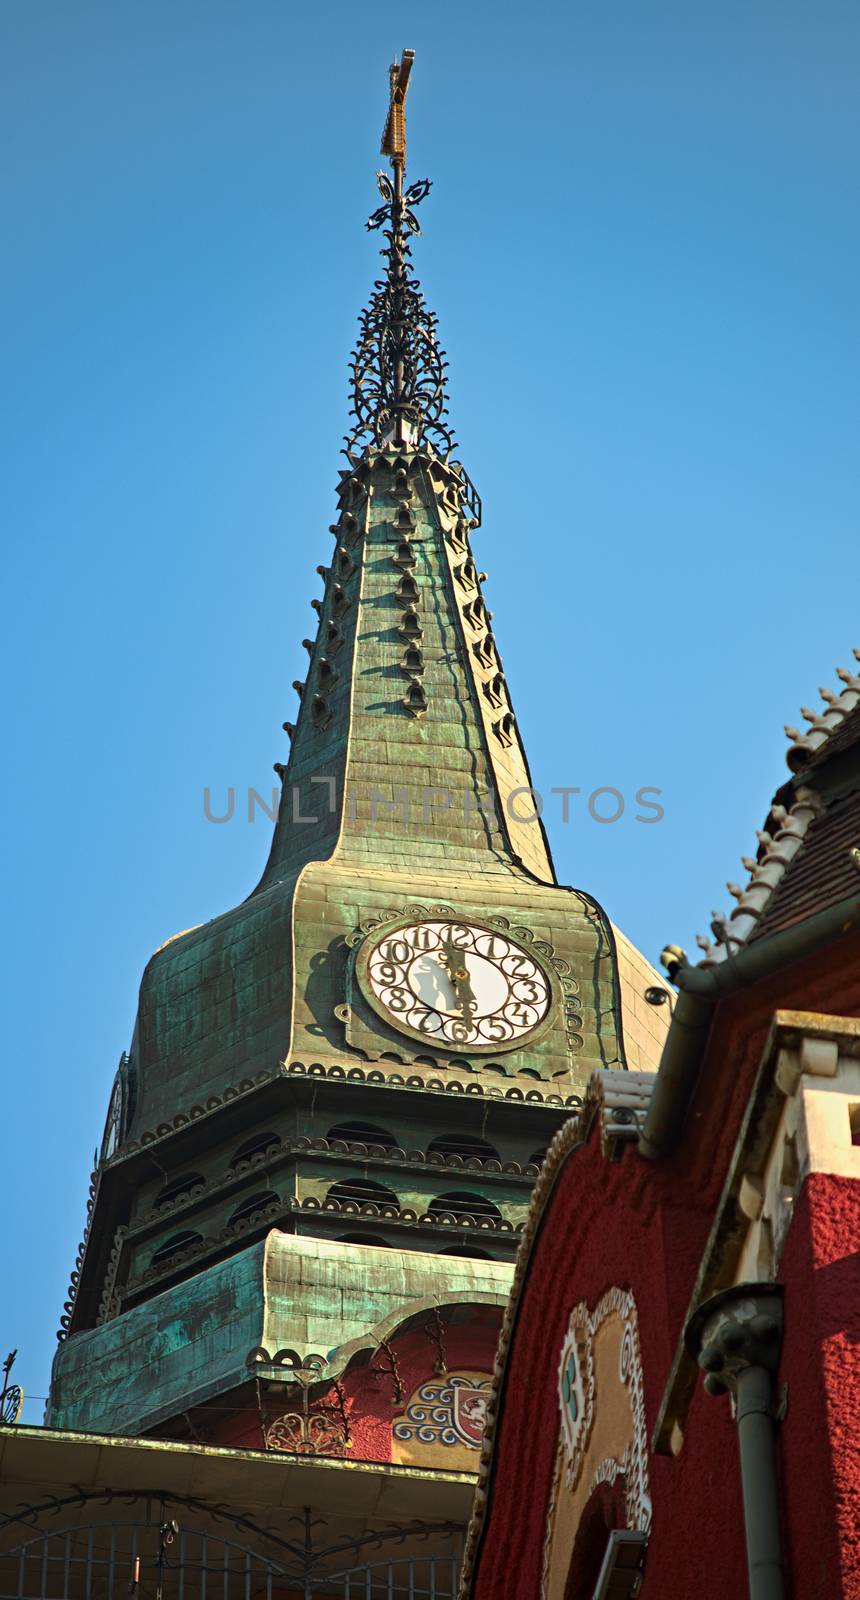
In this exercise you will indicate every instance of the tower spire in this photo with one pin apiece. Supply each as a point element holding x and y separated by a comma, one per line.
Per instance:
<point>269,1180</point>
<point>398,367</point>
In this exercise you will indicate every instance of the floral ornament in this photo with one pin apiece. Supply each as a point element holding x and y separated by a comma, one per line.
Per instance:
<point>398,367</point>
<point>414,195</point>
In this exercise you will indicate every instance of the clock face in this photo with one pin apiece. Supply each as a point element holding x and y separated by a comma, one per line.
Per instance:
<point>456,984</point>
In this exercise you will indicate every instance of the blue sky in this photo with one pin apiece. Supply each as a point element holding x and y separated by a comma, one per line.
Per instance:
<point>642,244</point>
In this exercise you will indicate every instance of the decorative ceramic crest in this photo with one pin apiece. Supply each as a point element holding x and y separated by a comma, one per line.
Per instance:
<point>447,1411</point>
<point>576,1390</point>
<point>602,1427</point>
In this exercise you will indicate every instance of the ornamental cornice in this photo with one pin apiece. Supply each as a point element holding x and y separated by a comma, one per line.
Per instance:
<point>343,1153</point>
<point>337,1073</point>
<point>393,1216</point>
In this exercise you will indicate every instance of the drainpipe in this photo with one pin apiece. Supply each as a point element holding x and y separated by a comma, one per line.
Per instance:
<point>699,990</point>
<point>736,1337</point>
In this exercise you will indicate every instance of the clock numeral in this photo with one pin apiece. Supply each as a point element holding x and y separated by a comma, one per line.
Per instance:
<point>460,1031</point>
<point>425,939</point>
<point>496,1029</point>
<point>395,950</point>
<point>517,966</point>
<point>527,989</point>
<point>460,935</point>
<point>387,972</point>
<point>399,999</point>
<point>429,1022</point>
<point>492,946</point>
<point>521,1014</point>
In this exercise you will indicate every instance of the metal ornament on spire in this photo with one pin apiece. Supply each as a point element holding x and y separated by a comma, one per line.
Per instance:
<point>398,368</point>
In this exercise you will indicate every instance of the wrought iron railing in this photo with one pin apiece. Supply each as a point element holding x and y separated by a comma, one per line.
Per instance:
<point>118,1560</point>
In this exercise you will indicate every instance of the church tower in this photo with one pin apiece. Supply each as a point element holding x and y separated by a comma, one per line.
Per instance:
<point>321,1144</point>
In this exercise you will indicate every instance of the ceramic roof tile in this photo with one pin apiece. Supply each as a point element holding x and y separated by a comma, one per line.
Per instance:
<point>824,872</point>
<point>803,862</point>
<point>831,731</point>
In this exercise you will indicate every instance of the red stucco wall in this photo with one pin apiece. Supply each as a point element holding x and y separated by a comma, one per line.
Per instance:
<point>611,1224</point>
<point>369,1388</point>
<point>643,1227</point>
<point>820,1437</point>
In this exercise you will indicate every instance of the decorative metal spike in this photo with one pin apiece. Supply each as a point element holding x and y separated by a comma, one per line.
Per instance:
<point>703,943</point>
<point>844,674</point>
<point>398,367</point>
<point>749,863</point>
<point>792,733</point>
<point>828,696</point>
<point>807,715</point>
<point>735,890</point>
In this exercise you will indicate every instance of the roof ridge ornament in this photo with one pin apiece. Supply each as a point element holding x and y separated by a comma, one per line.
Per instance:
<point>398,368</point>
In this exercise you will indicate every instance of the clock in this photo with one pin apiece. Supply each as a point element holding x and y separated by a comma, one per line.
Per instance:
<point>464,985</point>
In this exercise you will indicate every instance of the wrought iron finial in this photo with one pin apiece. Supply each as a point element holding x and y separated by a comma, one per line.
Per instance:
<point>398,368</point>
<point>11,1395</point>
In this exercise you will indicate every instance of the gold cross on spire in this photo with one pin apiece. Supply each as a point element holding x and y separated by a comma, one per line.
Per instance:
<point>394,135</point>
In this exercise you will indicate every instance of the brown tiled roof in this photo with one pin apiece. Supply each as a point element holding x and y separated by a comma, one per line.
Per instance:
<point>840,740</point>
<point>803,862</point>
<point>824,871</point>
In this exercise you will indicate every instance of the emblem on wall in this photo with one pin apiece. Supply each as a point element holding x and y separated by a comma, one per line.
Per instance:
<point>602,1428</point>
<point>448,1411</point>
<point>621,1437</point>
<point>575,1389</point>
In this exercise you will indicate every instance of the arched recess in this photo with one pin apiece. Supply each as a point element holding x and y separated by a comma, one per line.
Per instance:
<point>487,1303</point>
<point>363,1191</point>
<point>364,1239</point>
<point>253,1206</point>
<point>465,1145</point>
<point>469,1252</point>
<point>463,1201</point>
<point>603,1512</point>
<point>178,1188</point>
<point>259,1144</point>
<point>174,1247</point>
<point>362,1133</point>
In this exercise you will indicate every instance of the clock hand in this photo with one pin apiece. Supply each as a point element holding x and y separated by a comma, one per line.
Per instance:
<point>454,963</point>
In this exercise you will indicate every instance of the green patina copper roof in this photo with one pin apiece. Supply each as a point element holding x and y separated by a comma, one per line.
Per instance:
<point>403,808</point>
<point>193,1341</point>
